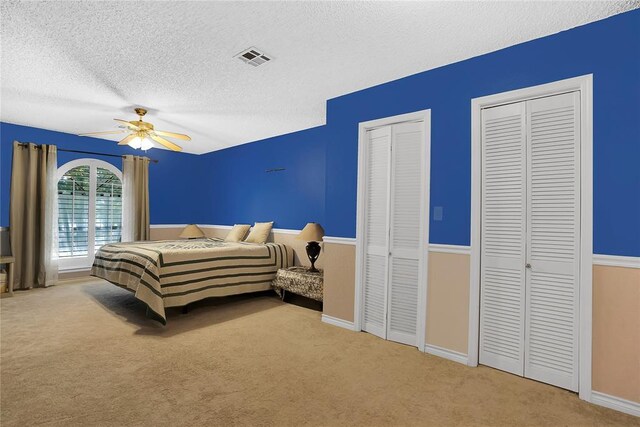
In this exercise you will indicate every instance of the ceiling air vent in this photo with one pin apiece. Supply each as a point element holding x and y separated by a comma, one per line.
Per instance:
<point>253,56</point>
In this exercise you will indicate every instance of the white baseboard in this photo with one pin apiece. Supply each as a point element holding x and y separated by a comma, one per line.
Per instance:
<point>447,354</point>
<point>338,322</point>
<point>75,270</point>
<point>617,403</point>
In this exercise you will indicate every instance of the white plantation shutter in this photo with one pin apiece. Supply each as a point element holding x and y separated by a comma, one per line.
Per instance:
<point>406,240</point>
<point>553,240</point>
<point>89,210</point>
<point>108,224</point>
<point>376,231</point>
<point>73,212</point>
<point>502,295</point>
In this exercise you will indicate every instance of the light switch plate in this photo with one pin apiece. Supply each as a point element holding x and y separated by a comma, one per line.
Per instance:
<point>438,213</point>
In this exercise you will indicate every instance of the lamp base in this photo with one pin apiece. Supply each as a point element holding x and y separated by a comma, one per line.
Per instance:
<point>313,252</point>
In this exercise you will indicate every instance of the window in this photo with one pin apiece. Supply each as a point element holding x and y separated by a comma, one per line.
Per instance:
<point>89,210</point>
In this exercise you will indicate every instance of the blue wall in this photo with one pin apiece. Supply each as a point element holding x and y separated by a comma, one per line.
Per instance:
<point>610,49</point>
<point>245,193</point>
<point>176,184</point>
<point>320,176</point>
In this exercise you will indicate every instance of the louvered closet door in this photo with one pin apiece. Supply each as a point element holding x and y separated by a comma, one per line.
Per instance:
<point>376,232</point>
<point>406,234</point>
<point>553,240</point>
<point>502,295</point>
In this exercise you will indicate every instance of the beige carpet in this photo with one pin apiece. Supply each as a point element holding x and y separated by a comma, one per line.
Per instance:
<point>84,354</point>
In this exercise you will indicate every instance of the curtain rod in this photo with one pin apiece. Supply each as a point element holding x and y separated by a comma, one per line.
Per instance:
<point>86,152</point>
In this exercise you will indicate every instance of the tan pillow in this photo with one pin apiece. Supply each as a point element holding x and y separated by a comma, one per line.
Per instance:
<point>237,233</point>
<point>260,232</point>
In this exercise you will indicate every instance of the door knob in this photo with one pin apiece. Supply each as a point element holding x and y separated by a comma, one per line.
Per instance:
<point>528,265</point>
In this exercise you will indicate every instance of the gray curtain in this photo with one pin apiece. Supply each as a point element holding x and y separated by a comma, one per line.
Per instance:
<point>33,215</point>
<point>135,193</point>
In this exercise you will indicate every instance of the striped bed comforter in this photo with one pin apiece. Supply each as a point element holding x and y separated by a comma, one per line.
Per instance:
<point>173,273</point>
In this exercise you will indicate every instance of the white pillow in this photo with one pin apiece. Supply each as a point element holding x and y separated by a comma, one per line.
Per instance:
<point>237,233</point>
<point>260,232</point>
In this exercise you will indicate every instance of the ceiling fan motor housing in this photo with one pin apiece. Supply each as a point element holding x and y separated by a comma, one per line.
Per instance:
<point>146,126</point>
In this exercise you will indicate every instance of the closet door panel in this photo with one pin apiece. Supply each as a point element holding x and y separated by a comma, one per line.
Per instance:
<point>503,222</point>
<point>376,238</point>
<point>406,234</point>
<point>403,304</point>
<point>553,240</point>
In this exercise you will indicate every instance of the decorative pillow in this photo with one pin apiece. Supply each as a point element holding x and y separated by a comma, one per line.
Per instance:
<point>237,233</point>
<point>259,233</point>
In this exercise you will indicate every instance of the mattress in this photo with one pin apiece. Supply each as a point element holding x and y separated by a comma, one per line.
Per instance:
<point>173,273</point>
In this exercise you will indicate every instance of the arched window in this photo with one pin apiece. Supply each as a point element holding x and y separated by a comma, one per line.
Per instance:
<point>89,210</point>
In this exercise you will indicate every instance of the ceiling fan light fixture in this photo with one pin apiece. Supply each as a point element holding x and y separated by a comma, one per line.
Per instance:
<point>141,142</point>
<point>146,144</point>
<point>136,143</point>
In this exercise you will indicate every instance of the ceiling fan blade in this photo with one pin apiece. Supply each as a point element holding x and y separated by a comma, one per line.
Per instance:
<point>107,132</point>
<point>173,135</point>
<point>170,145</point>
<point>129,124</point>
<point>127,139</point>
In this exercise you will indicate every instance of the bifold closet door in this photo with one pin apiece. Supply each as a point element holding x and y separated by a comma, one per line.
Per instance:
<point>531,238</point>
<point>553,240</point>
<point>376,231</point>
<point>393,230</point>
<point>502,296</point>
<point>406,234</point>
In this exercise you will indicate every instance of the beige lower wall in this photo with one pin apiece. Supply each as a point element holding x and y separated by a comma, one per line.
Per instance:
<point>616,312</point>
<point>337,260</point>
<point>616,332</point>
<point>299,249</point>
<point>339,280</point>
<point>173,233</point>
<point>277,237</point>
<point>448,301</point>
<point>448,294</point>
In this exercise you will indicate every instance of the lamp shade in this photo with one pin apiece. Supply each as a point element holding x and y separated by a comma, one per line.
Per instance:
<point>312,232</point>
<point>191,231</point>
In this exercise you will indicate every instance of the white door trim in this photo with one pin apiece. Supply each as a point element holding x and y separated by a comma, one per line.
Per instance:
<point>363,127</point>
<point>584,84</point>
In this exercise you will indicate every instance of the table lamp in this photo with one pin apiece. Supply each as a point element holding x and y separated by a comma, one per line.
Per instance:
<point>312,233</point>
<point>191,231</point>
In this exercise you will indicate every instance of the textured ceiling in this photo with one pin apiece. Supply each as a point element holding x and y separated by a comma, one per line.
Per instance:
<point>73,66</point>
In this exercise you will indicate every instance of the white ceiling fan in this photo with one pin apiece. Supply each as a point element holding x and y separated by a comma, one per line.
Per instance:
<point>142,133</point>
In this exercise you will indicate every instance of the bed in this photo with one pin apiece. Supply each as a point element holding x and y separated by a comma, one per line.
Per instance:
<point>174,273</point>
